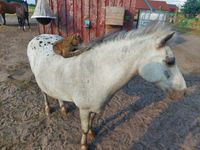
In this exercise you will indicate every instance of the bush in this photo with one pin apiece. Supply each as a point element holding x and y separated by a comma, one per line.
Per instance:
<point>183,22</point>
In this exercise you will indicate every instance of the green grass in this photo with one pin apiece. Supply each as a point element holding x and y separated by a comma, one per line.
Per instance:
<point>188,26</point>
<point>187,30</point>
<point>31,9</point>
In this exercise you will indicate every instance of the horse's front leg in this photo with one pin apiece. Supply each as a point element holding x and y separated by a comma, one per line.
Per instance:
<point>28,23</point>
<point>23,23</point>
<point>4,19</point>
<point>90,132</point>
<point>84,116</point>
<point>62,108</point>
<point>19,22</point>
<point>47,110</point>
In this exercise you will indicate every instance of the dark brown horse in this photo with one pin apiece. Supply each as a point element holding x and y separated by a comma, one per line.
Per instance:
<point>9,8</point>
<point>21,10</point>
<point>22,14</point>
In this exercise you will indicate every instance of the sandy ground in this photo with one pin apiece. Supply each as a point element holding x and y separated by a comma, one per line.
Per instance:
<point>138,117</point>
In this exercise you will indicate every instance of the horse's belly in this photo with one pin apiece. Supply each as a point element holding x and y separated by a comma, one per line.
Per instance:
<point>52,90</point>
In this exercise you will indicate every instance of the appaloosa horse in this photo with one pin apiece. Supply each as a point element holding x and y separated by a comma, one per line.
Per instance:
<point>93,77</point>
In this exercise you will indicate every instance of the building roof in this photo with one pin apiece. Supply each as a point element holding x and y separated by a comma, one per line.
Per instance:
<point>159,4</point>
<point>140,4</point>
<point>172,8</point>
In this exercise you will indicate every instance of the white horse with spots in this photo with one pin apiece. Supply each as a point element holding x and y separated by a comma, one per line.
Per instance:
<point>93,77</point>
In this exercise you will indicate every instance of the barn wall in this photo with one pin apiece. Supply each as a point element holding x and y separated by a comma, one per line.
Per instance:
<point>71,14</point>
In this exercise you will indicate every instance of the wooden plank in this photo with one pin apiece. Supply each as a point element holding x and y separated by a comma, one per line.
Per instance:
<point>111,2</point>
<point>86,15</point>
<point>119,3</point>
<point>107,2</point>
<point>40,29</point>
<point>101,18</point>
<point>47,28</point>
<point>93,18</point>
<point>70,15</point>
<point>79,20</point>
<point>52,22</point>
<point>62,17</point>
<point>110,28</point>
<point>75,7</point>
<point>56,14</point>
<point>115,15</point>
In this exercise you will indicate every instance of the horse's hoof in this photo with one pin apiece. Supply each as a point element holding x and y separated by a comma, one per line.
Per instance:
<point>63,113</point>
<point>91,135</point>
<point>47,111</point>
<point>84,147</point>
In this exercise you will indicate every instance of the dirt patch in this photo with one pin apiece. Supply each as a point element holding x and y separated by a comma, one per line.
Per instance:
<point>138,117</point>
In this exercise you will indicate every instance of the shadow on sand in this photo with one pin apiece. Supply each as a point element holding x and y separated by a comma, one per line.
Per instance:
<point>175,127</point>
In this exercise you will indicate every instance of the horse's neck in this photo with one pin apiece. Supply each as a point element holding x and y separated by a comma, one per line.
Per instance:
<point>119,60</point>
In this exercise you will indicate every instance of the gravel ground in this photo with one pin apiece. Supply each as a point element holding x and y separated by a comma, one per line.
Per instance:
<point>139,116</point>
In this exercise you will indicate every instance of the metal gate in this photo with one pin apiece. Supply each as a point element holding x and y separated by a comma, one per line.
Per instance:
<point>146,16</point>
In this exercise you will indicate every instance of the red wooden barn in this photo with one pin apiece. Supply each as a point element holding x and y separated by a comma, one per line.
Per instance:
<point>70,16</point>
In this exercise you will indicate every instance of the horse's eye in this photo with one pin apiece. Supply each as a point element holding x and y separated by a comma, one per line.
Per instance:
<point>166,73</point>
<point>170,60</point>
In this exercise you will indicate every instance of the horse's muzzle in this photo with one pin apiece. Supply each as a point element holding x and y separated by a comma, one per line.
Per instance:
<point>175,95</point>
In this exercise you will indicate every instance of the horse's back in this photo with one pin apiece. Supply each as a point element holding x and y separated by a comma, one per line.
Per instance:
<point>54,74</point>
<point>8,7</point>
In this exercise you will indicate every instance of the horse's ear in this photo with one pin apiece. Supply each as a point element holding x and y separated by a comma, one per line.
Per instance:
<point>162,42</point>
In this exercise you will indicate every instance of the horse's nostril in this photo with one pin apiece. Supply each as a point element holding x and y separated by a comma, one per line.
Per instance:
<point>170,60</point>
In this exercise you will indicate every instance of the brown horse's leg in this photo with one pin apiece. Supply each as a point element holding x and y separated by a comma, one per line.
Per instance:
<point>4,19</point>
<point>28,23</point>
<point>28,20</point>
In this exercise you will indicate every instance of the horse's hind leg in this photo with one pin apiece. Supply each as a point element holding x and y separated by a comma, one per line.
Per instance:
<point>47,110</point>
<point>62,108</point>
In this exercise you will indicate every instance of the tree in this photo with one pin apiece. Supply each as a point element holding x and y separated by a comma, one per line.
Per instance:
<point>191,8</point>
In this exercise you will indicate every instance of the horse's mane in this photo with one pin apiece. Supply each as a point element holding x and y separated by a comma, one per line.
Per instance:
<point>155,29</point>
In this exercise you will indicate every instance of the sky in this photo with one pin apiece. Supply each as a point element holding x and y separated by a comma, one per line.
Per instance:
<point>177,2</point>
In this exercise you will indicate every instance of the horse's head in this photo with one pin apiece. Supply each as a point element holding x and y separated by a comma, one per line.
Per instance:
<point>159,66</point>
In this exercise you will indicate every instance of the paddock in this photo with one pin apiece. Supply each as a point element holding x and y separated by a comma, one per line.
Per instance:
<point>137,117</point>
